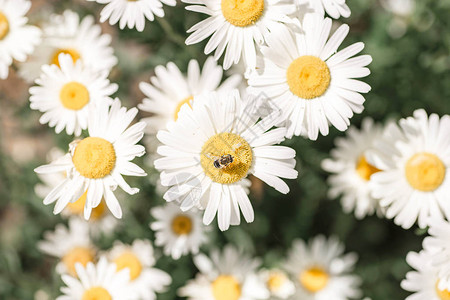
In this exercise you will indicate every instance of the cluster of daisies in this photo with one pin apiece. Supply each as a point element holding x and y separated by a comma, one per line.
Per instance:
<point>286,77</point>
<point>318,269</point>
<point>399,171</point>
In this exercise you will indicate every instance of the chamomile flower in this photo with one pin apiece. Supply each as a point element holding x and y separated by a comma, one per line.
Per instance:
<point>236,27</point>
<point>312,83</point>
<point>278,283</point>
<point>322,271</point>
<point>178,232</point>
<point>351,171</point>
<point>164,102</point>
<point>17,39</point>
<point>229,275</point>
<point>81,39</point>
<point>334,8</point>
<point>213,147</point>
<point>424,282</point>
<point>414,160</point>
<point>67,93</point>
<point>101,221</point>
<point>132,13</point>
<point>95,164</point>
<point>98,282</point>
<point>71,245</point>
<point>139,260</point>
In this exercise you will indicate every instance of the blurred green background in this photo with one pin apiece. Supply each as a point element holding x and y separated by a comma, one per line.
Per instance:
<point>410,70</point>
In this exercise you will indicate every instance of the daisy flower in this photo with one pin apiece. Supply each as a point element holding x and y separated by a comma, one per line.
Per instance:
<point>229,275</point>
<point>213,147</point>
<point>67,93</point>
<point>351,171</point>
<point>414,159</point>
<point>164,102</point>
<point>178,232</point>
<point>322,271</point>
<point>312,83</point>
<point>97,282</point>
<point>95,164</point>
<point>71,245</point>
<point>238,26</point>
<point>101,220</point>
<point>17,39</point>
<point>278,283</point>
<point>81,39</point>
<point>424,282</point>
<point>132,13</point>
<point>139,260</point>
<point>334,8</point>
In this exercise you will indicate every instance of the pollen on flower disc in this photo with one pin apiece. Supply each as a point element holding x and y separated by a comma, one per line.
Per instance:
<point>226,287</point>
<point>314,279</point>
<point>74,95</point>
<point>130,261</point>
<point>181,224</point>
<point>94,157</point>
<point>425,171</point>
<point>308,77</point>
<point>242,13</point>
<point>96,293</point>
<point>226,144</point>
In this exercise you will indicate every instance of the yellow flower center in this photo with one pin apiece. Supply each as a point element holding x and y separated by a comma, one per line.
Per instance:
<point>188,100</point>
<point>276,281</point>
<point>94,157</point>
<point>96,293</point>
<point>425,171</point>
<point>222,146</point>
<point>182,224</point>
<point>364,169</point>
<point>308,77</point>
<point>442,294</point>
<point>72,52</point>
<point>226,287</point>
<point>242,13</point>
<point>4,26</point>
<point>77,208</point>
<point>74,95</point>
<point>130,261</point>
<point>81,255</point>
<point>314,279</point>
